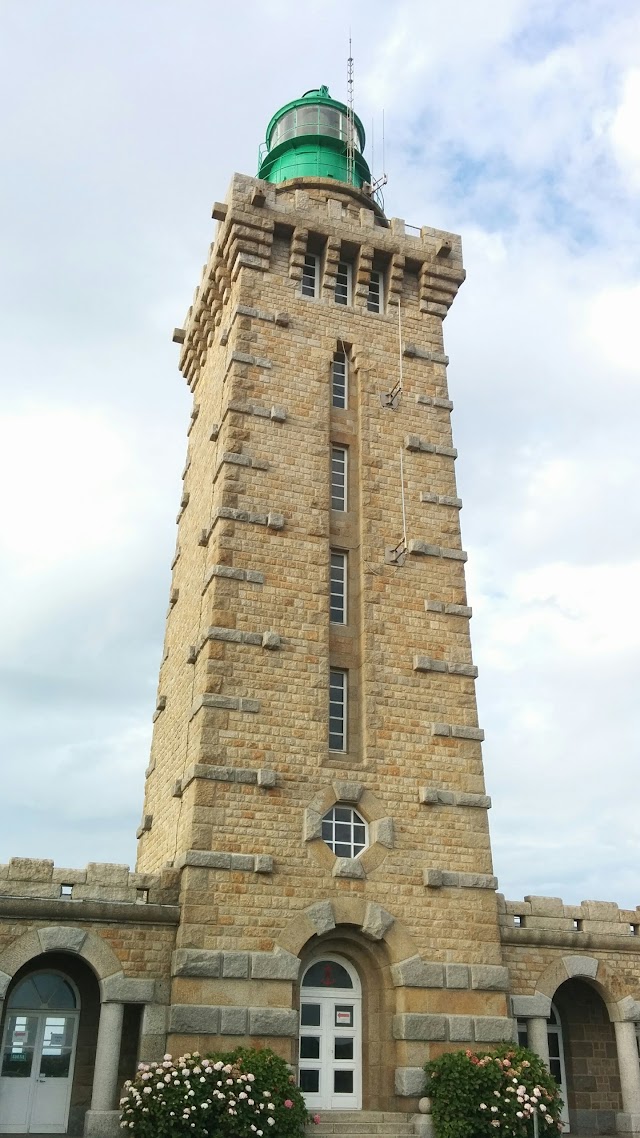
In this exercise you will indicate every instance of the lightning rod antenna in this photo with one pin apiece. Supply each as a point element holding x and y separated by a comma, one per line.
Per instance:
<point>351,147</point>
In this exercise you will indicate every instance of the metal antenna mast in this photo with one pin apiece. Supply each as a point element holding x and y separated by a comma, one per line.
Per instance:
<point>351,144</point>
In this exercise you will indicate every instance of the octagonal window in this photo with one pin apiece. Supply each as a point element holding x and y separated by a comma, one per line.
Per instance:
<point>344,831</point>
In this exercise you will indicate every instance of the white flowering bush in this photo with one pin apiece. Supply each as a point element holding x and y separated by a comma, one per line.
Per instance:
<point>492,1093</point>
<point>195,1096</point>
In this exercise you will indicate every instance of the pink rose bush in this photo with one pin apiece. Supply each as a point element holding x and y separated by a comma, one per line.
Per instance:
<point>221,1095</point>
<point>490,1094</point>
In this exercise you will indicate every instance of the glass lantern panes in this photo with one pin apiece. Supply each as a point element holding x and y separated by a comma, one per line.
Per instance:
<point>344,831</point>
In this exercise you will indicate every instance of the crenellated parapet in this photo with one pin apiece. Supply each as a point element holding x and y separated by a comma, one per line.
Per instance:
<point>334,216</point>
<point>547,920</point>
<point>38,879</point>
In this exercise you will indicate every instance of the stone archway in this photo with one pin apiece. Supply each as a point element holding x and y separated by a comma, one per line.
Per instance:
<point>608,1099</point>
<point>590,1055</point>
<point>77,948</point>
<point>381,951</point>
<point>97,953</point>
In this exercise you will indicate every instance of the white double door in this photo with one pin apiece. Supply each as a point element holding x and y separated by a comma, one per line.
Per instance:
<point>330,1055</point>
<point>36,1073</point>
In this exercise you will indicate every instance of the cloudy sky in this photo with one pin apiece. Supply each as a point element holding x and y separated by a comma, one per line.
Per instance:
<point>514,122</point>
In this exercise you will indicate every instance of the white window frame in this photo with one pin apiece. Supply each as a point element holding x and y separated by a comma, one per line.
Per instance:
<point>329,823</point>
<point>344,286</point>
<point>340,380</point>
<point>339,477</point>
<point>338,682</point>
<point>311,263</point>
<point>379,285</point>
<point>338,586</point>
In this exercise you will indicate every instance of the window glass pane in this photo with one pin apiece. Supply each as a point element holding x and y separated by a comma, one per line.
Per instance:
<point>343,1082</point>
<point>339,380</point>
<point>310,1081</point>
<point>326,974</point>
<point>343,1047</point>
<point>346,831</point>
<point>338,478</point>
<point>337,711</point>
<point>310,1015</point>
<point>309,275</point>
<point>554,1067</point>
<point>338,588</point>
<point>523,1036</point>
<point>43,990</point>
<point>554,1044</point>
<point>309,1047</point>
<point>343,283</point>
<point>374,299</point>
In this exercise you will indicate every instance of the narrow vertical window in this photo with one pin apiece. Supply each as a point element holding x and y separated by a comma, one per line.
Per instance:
<point>343,283</point>
<point>338,587</point>
<point>310,275</point>
<point>375,299</point>
<point>337,710</point>
<point>339,380</point>
<point>338,478</point>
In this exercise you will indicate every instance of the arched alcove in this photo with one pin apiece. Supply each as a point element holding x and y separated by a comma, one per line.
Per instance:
<point>590,1055</point>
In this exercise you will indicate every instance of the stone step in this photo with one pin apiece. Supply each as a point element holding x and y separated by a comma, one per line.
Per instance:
<point>363,1116</point>
<point>323,1127</point>
<point>360,1124</point>
<point>358,1130</point>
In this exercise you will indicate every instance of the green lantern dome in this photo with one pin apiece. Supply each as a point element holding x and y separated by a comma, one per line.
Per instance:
<point>309,138</point>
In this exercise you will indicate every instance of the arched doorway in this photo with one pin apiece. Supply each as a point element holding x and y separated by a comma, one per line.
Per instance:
<point>330,1049</point>
<point>38,1054</point>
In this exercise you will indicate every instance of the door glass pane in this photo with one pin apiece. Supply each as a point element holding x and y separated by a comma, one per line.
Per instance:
<point>310,1047</point>
<point>56,1047</point>
<point>343,1082</point>
<point>554,1067</point>
<point>310,1081</point>
<point>344,1015</point>
<point>343,1047</point>
<point>20,1038</point>
<point>310,1015</point>
<point>554,1044</point>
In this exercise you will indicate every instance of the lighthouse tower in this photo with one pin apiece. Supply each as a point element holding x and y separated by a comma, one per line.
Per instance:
<point>316,772</point>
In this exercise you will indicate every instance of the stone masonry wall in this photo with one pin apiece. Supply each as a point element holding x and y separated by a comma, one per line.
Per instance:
<point>240,772</point>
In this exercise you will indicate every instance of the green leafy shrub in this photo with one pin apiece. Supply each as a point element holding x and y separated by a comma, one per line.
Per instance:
<point>492,1093</point>
<point>241,1094</point>
<point>272,1075</point>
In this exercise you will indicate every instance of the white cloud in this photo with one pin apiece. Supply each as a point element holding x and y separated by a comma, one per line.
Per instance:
<point>625,135</point>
